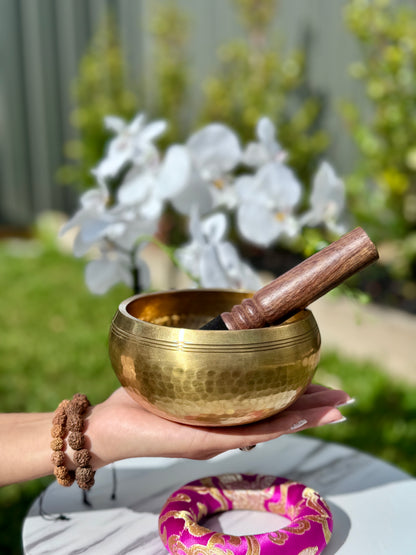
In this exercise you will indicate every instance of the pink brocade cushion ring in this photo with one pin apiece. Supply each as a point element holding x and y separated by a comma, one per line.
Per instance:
<point>308,533</point>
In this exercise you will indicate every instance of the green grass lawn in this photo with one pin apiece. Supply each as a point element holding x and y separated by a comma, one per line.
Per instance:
<point>54,343</point>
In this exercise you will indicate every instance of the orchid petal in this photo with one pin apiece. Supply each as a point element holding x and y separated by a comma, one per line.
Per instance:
<point>196,193</point>
<point>102,274</point>
<point>93,229</point>
<point>279,183</point>
<point>115,230</point>
<point>225,196</point>
<point>214,227</point>
<point>134,229</point>
<point>249,279</point>
<point>195,224</point>
<point>79,246</point>
<point>246,188</point>
<point>267,149</point>
<point>189,256</point>
<point>215,149</point>
<point>174,173</point>
<point>94,199</point>
<point>254,155</point>
<point>327,200</point>
<point>77,219</point>
<point>115,124</point>
<point>240,274</point>
<point>135,187</point>
<point>152,131</point>
<point>115,160</point>
<point>211,272</point>
<point>266,132</point>
<point>257,224</point>
<point>328,187</point>
<point>136,125</point>
<point>152,208</point>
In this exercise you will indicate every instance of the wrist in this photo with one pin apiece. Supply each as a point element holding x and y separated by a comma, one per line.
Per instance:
<point>97,439</point>
<point>112,434</point>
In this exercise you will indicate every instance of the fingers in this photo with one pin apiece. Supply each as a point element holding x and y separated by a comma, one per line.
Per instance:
<point>320,398</point>
<point>297,420</point>
<point>284,423</point>
<point>314,417</point>
<point>314,387</point>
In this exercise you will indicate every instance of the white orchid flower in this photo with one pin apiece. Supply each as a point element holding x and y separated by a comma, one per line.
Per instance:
<point>196,178</point>
<point>327,200</point>
<point>267,149</point>
<point>129,225</point>
<point>213,152</point>
<point>212,259</point>
<point>133,143</point>
<point>115,267</point>
<point>147,188</point>
<point>99,223</point>
<point>266,204</point>
<point>91,218</point>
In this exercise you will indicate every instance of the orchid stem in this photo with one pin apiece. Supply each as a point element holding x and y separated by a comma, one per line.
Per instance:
<point>136,280</point>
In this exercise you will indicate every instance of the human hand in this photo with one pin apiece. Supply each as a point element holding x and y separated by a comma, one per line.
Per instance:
<point>120,428</point>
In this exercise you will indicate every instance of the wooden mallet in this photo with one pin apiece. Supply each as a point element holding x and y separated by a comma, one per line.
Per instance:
<point>300,286</point>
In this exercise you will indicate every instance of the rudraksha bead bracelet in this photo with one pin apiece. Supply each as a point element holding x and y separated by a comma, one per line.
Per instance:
<point>69,419</point>
<point>64,477</point>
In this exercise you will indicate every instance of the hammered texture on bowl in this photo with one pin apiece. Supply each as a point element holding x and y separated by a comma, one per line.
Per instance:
<point>210,378</point>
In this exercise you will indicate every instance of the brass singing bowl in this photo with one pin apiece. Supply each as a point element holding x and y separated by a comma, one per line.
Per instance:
<point>209,378</point>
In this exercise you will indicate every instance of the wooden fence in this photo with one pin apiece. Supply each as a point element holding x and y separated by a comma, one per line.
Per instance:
<point>42,42</point>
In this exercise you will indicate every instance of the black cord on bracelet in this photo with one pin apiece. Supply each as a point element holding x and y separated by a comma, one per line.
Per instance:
<point>47,516</point>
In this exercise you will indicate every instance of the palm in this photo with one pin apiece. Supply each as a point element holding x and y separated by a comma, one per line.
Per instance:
<point>138,432</point>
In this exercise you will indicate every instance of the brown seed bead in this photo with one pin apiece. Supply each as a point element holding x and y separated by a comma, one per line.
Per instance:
<point>59,419</point>
<point>76,440</point>
<point>85,477</point>
<point>58,458</point>
<point>86,485</point>
<point>60,413</point>
<point>63,405</point>
<point>81,402</point>
<point>60,471</point>
<point>72,409</point>
<point>75,422</point>
<point>64,476</point>
<point>57,444</point>
<point>84,473</point>
<point>82,457</point>
<point>58,431</point>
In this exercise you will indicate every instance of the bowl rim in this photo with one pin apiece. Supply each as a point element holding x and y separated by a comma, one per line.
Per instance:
<point>302,314</point>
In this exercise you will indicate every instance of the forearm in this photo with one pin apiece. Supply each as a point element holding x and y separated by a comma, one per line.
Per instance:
<point>25,447</point>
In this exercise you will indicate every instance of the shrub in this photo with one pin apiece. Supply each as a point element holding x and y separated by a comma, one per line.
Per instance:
<point>384,130</point>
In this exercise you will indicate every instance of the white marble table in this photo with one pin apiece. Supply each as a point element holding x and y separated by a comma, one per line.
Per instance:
<point>373,503</point>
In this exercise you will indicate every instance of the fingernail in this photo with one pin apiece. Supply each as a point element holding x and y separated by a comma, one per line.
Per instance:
<point>342,419</point>
<point>299,424</point>
<point>345,403</point>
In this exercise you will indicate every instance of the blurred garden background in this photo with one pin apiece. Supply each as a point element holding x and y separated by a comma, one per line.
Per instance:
<point>338,80</point>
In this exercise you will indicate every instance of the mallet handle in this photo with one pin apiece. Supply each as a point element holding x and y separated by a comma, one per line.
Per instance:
<point>304,283</point>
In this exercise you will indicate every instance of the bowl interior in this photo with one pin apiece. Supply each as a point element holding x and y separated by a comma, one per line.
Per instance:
<point>189,309</point>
